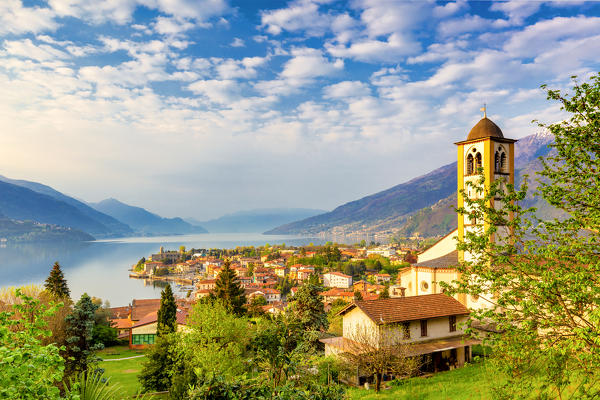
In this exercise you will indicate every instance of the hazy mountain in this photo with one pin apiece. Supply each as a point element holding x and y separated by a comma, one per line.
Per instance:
<point>20,203</point>
<point>29,231</point>
<point>423,205</point>
<point>145,222</point>
<point>258,220</point>
<point>109,225</point>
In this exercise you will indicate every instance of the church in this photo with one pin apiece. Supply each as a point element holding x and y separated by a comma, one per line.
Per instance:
<point>485,149</point>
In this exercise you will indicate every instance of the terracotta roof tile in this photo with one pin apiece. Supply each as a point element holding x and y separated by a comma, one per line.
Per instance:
<point>445,261</point>
<point>409,308</point>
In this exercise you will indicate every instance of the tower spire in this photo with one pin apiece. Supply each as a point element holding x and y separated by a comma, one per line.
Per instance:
<point>484,109</point>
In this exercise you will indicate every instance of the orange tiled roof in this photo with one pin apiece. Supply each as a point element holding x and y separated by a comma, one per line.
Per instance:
<point>385,311</point>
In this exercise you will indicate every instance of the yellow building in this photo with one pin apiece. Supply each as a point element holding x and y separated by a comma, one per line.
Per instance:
<point>485,151</point>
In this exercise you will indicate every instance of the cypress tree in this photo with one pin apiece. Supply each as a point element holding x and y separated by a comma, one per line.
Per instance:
<point>167,313</point>
<point>56,284</point>
<point>229,290</point>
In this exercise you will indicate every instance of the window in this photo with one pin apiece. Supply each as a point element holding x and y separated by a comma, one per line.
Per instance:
<point>406,330</point>
<point>423,327</point>
<point>503,162</point>
<point>424,286</point>
<point>478,163</point>
<point>143,339</point>
<point>452,323</point>
<point>470,164</point>
<point>496,162</point>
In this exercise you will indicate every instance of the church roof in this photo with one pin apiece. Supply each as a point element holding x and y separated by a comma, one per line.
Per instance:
<point>445,261</point>
<point>484,129</point>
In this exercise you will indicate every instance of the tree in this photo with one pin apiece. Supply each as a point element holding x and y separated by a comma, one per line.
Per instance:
<point>256,304</point>
<point>167,313</point>
<point>380,350</point>
<point>28,369</point>
<point>229,290</point>
<point>544,276</point>
<point>56,284</point>
<point>159,367</point>
<point>385,293</point>
<point>80,349</point>
<point>307,306</point>
<point>357,295</point>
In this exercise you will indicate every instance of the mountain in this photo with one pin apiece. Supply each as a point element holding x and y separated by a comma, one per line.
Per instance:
<point>28,231</point>
<point>102,225</point>
<point>423,205</point>
<point>258,220</point>
<point>143,221</point>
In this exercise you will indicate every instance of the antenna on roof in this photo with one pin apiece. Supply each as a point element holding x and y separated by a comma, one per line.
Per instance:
<point>484,109</point>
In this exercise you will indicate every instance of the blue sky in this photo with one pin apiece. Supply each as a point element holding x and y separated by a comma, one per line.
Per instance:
<point>203,107</point>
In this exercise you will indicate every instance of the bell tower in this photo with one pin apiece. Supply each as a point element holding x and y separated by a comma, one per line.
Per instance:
<point>486,150</point>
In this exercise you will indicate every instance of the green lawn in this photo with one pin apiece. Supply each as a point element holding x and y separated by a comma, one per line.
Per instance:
<point>469,383</point>
<point>119,352</point>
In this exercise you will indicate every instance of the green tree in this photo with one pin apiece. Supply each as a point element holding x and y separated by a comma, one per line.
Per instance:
<point>80,350</point>
<point>160,365</point>
<point>28,369</point>
<point>307,306</point>
<point>229,290</point>
<point>56,284</point>
<point>544,276</point>
<point>358,295</point>
<point>385,293</point>
<point>167,313</point>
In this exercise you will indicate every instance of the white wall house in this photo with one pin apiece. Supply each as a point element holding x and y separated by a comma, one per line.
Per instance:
<point>337,279</point>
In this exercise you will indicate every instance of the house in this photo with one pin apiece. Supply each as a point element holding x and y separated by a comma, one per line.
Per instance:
<point>270,295</point>
<point>382,251</point>
<point>143,332</point>
<point>382,279</point>
<point>206,284</point>
<point>345,294</point>
<point>304,273</point>
<point>281,271</point>
<point>337,279</point>
<point>432,326</point>
<point>364,286</point>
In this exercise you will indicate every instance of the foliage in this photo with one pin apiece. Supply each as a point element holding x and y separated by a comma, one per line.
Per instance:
<point>90,386</point>
<point>56,284</point>
<point>255,306</point>
<point>216,342</point>
<point>308,308</point>
<point>336,321</point>
<point>545,275</point>
<point>279,348</point>
<point>158,368</point>
<point>357,295</point>
<point>229,290</point>
<point>80,349</point>
<point>167,313</point>
<point>140,264</point>
<point>103,332</point>
<point>28,369</point>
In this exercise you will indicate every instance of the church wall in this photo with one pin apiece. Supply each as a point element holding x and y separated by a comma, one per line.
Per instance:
<point>444,246</point>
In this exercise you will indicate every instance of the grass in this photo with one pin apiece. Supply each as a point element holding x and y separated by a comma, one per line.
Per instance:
<point>119,352</point>
<point>468,383</point>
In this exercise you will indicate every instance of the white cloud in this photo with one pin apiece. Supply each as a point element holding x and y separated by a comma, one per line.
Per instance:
<point>121,11</point>
<point>26,49</point>
<point>372,50</point>
<point>310,63</point>
<point>172,26</point>
<point>245,68</point>
<point>237,42</point>
<point>346,90</point>
<point>448,9</point>
<point>516,10</point>
<point>16,19</point>
<point>217,91</point>
<point>468,23</point>
<point>301,15</point>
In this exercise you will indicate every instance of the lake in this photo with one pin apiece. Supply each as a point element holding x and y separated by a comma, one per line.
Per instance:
<point>100,268</point>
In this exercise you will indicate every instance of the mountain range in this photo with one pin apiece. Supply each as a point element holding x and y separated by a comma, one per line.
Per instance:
<point>258,220</point>
<point>423,205</point>
<point>143,221</point>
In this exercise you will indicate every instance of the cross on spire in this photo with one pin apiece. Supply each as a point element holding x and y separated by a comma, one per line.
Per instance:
<point>484,109</point>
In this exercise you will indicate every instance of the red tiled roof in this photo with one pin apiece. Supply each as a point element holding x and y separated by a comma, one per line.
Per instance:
<point>140,308</point>
<point>339,274</point>
<point>385,311</point>
<point>121,323</point>
<point>119,312</point>
<point>181,317</point>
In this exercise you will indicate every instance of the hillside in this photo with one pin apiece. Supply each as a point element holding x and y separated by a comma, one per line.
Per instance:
<point>113,227</point>
<point>423,205</point>
<point>256,220</point>
<point>29,231</point>
<point>145,222</point>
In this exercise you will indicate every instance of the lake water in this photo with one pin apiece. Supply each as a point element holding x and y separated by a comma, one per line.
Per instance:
<point>100,268</point>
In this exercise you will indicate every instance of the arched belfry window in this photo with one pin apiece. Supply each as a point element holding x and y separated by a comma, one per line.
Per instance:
<point>497,162</point>
<point>478,163</point>
<point>503,166</point>
<point>470,164</point>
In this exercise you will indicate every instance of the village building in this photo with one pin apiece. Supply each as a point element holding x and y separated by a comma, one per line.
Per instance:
<point>270,295</point>
<point>170,256</point>
<point>431,326</point>
<point>143,332</point>
<point>382,279</point>
<point>337,279</point>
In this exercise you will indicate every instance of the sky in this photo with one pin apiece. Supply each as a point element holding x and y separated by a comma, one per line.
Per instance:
<point>197,108</point>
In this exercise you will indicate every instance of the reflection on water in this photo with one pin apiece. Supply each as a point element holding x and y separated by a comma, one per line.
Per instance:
<point>101,268</point>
